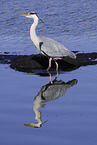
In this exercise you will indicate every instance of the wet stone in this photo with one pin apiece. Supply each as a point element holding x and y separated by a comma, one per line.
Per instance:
<point>31,63</point>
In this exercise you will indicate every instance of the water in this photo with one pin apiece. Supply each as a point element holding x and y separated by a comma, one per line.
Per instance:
<point>70,119</point>
<point>73,23</point>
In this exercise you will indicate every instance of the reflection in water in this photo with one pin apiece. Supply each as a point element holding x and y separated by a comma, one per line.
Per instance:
<point>49,92</point>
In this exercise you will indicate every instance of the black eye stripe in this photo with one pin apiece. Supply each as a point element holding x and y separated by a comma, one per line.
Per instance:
<point>32,13</point>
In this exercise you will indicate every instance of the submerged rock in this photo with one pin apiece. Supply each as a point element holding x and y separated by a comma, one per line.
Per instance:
<point>39,63</point>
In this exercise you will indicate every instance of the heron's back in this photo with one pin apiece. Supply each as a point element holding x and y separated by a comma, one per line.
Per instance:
<point>54,49</point>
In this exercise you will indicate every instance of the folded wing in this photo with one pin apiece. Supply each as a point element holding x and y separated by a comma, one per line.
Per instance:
<point>54,49</point>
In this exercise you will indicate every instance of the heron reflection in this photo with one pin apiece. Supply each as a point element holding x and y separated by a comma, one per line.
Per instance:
<point>49,92</point>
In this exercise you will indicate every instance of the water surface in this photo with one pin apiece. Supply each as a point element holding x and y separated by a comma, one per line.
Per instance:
<point>71,118</point>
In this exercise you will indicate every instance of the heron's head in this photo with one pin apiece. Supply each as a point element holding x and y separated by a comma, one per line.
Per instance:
<point>30,15</point>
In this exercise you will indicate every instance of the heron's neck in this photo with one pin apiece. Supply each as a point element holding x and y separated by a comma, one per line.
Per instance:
<point>33,35</point>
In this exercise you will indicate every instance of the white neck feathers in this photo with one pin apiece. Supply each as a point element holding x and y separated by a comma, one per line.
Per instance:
<point>33,35</point>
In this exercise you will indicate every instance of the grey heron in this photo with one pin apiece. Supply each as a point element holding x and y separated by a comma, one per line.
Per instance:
<point>46,46</point>
<point>49,92</point>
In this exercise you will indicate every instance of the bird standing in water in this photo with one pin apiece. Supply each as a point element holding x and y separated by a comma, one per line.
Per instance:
<point>48,47</point>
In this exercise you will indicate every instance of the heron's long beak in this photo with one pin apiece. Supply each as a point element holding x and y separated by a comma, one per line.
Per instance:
<point>35,125</point>
<point>24,15</point>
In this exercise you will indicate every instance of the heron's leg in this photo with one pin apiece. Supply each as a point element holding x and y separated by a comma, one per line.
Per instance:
<point>50,77</point>
<point>49,64</point>
<point>56,68</point>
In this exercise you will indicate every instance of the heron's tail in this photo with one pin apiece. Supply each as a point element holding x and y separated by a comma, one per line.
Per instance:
<point>72,55</point>
<point>71,58</point>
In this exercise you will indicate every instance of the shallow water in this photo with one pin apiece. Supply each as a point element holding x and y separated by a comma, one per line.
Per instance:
<point>71,118</point>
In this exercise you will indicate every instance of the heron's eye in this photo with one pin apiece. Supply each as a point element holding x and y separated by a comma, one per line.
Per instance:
<point>32,13</point>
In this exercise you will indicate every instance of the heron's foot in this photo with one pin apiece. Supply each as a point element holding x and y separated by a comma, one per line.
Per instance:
<point>57,73</point>
<point>48,68</point>
<point>56,77</point>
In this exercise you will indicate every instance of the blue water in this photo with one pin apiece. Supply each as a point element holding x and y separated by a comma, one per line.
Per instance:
<point>73,23</point>
<point>72,118</point>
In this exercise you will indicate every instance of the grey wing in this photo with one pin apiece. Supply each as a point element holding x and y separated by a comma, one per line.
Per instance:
<point>54,49</point>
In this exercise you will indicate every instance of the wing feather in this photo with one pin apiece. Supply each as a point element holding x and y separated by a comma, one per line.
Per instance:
<point>55,49</point>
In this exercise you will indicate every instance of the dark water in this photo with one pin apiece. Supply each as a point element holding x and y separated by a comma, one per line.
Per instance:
<point>69,113</point>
